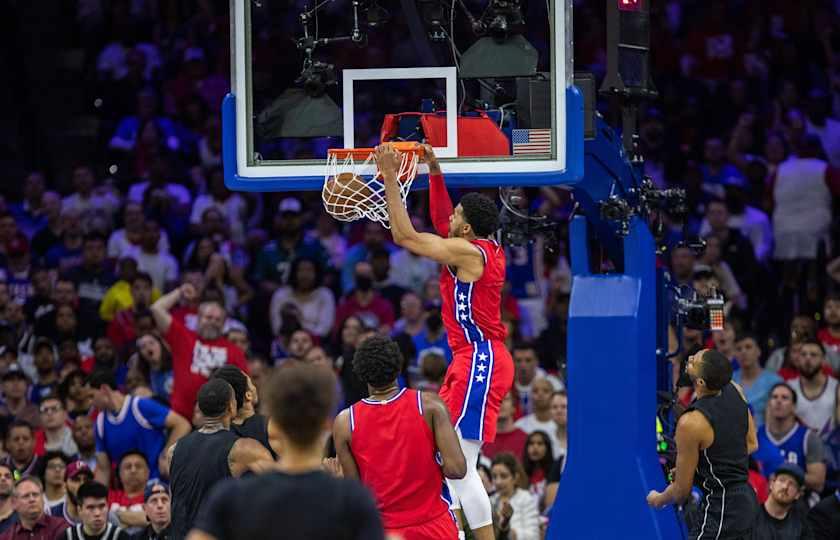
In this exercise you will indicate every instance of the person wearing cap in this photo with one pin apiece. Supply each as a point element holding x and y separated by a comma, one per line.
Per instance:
<point>782,516</point>
<point>93,509</point>
<point>76,473</point>
<point>158,510</point>
<point>274,261</point>
<point>14,384</point>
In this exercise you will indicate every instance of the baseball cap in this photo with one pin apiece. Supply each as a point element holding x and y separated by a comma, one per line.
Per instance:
<point>290,204</point>
<point>155,486</point>
<point>14,371</point>
<point>793,470</point>
<point>75,468</point>
<point>17,246</point>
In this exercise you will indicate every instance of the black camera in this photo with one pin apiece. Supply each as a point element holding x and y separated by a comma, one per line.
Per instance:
<point>699,312</point>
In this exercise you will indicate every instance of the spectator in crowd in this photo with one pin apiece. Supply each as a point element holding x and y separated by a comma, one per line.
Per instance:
<point>824,518</point>
<point>309,502</point>
<point>87,198</point>
<point>92,277</point>
<point>207,456</point>
<point>783,439</point>
<point>432,337</point>
<point>50,234</point>
<point>411,321</point>
<point>528,370</point>
<point>33,523</point>
<point>122,329</point>
<point>780,516</point>
<point>157,507</point>
<point>52,476</point>
<point>76,474</point>
<point>314,302</point>
<point>817,393</point>
<point>509,438</point>
<point>332,241</point>
<point>17,405</point>
<point>125,506</point>
<point>20,444</point>
<point>541,419</point>
<point>122,241</point>
<point>118,297</point>
<point>194,354</point>
<point>380,262</point>
<point>373,239</point>
<point>364,302</point>
<point>131,423</point>
<point>231,205</point>
<point>537,462</point>
<point>8,516</point>
<point>755,381</point>
<point>432,372</point>
<point>516,506</point>
<point>411,271</point>
<point>85,439</point>
<point>801,328</point>
<point>161,266</point>
<point>93,509</point>
<point>68,253</point>
<point>830,335</point>
<point>29,214</point>
<point>559,412</point>
<point>54,435</point>
<point>682,265</point>
<point>154,360</point>
<point>18,269</point>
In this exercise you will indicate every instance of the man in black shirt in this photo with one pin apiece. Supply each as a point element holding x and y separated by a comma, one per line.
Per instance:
<point>714,439</point>
<point>93,509</point>
<point>782,517</point>
<point>294,499</point>
<point>824,518</point>
<point>207,456</point>
<point>247,422</point>
<point>158,511</point>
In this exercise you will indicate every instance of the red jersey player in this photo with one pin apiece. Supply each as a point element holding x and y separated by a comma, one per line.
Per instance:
<point>471,281</point>
<point>400,444</point>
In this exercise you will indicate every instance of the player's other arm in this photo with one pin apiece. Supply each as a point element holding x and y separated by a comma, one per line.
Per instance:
<point>455,252</point>
<point>454,465</point>
<point>341,438</point>
<point>440,205</point>
<point>692,428</point>
<point>752,434</point>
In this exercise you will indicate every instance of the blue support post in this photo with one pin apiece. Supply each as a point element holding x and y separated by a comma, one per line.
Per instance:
<point>611,379</point>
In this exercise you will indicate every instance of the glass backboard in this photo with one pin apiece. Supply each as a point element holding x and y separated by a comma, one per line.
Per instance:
<point>487,82</point>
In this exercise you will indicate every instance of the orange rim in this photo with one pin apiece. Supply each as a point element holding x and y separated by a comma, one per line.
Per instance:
<point>361,154</point>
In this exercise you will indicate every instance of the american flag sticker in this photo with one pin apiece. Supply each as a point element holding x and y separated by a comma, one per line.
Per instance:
<point>531,141</point>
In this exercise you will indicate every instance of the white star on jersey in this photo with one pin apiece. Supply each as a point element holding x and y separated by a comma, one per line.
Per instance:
<point>481,367</point>
<point>462,297</point>
<point>462,307</point>
<point>482,357</point>
<point>479,378</point>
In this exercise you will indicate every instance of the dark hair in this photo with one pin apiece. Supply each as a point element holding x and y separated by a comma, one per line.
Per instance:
<point>49,456</point>
<point>133,452</point>
<point>481,213</point>
<point>377,361</point>
<point>64,386</point>
<point>95,237</point>
<point>716,370</point>
<point>91,490</point>
<point>547,460</point>
<point>748,335</point>
<point>832,296</point>
<point>102,377</point>
<point>509,460</point>
<point>525,346</point>
<point>143,276</point>
<point>18,423</point>
<point>815,342</point>
<point>319,272</point>
<point>783,385</point>
<point>300,399</point>
<point>165,351</point>
<point>213,397</point>
<point>236,379</point>
<point>52,396</point>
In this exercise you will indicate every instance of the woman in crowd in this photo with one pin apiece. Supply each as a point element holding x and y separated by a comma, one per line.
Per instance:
<point>537,462</point>
<point>154,361</point>
<point>515,508</point>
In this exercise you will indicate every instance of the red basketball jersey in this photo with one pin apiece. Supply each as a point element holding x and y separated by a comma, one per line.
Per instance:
<point>395,451</point>
<point>472,312</point>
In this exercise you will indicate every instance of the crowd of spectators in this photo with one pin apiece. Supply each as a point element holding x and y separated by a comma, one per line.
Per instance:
<point>104,263</point>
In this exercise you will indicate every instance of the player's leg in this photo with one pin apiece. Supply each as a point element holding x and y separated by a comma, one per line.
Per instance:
<point>469,494</point>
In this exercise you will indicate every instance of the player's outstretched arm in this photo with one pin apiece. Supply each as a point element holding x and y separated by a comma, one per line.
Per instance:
<point>454,465</point>
<point>455,252</point>
<point>341,438</point>
<point>692,428</point>
<point>440,205</point>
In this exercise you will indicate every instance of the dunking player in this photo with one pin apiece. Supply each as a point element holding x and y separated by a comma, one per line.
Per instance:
<point>471,281</point>
<point>390,441</point>
<point>714,439</point>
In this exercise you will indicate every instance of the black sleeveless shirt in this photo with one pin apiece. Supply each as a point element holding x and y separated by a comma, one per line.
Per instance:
<point>728,504</point>
<point>255,427</point>
<point>200,461</point>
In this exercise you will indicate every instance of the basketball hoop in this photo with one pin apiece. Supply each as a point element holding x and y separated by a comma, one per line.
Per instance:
<point>353,187</point>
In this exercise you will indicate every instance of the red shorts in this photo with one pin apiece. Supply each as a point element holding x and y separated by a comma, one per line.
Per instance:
<point>476,381</point>
<point>441,528</point>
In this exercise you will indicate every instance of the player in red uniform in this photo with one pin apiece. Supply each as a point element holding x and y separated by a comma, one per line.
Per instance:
<point>471,281</point>
<point>392,441</point>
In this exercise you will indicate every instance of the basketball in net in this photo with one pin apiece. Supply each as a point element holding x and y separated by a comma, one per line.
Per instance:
<point>353,187</point>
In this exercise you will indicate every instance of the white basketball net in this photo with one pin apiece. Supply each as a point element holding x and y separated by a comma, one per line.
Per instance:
<point>346,204</point>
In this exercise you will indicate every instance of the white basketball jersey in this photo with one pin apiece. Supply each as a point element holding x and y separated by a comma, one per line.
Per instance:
<point>817,414</point>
